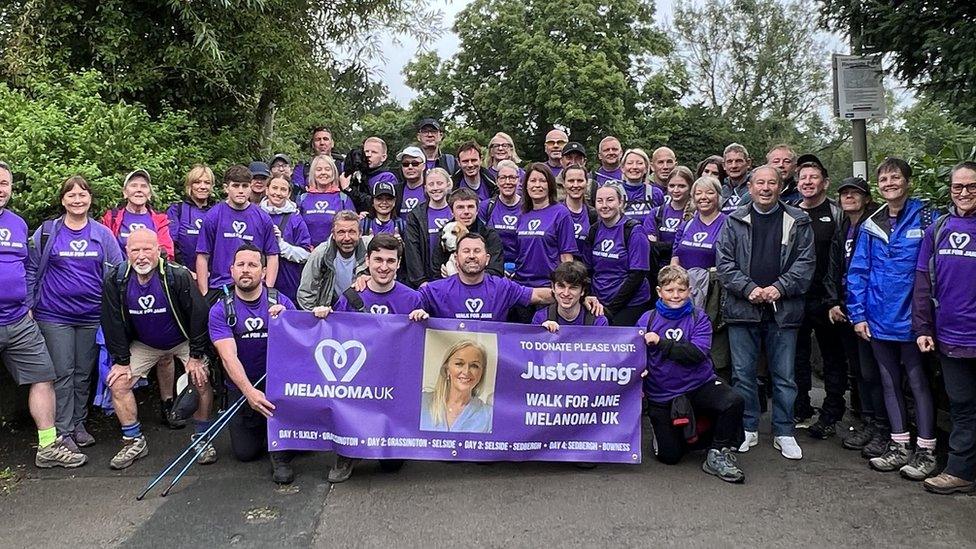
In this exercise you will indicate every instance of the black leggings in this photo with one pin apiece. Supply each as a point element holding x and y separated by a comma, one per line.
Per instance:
<point>249,433</point>
<point>715,399</point>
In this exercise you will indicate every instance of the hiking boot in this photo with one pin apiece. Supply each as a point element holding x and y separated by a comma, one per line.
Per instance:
<point>822,429</point>
<point>946,484</point>
<point>751,439</point>
<point>82,437</point>
<point>859,437</point>
<point>167,419</point>
<point>281,471</point>
<point>894,457</point>
<point>342,470</point>
<point>57,454</point>
<point>721,463</point>
<point>920,466</point>
<point>803,415</point>
<point>877,446</point>
<point>132,449</point>
<point>788,447</point>
<point>209,454</point>
<point>70,443</point>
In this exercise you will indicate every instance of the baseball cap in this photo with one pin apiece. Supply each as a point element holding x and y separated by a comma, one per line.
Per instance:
<point>811,159</point>
<point>429,122</point>
<point>382,188</point>
<point>259,169</point>
<point>136,173</point>
<point>414,152</point>
<point>854,183</point>
<point>574,147</point>
<point>280,156</point>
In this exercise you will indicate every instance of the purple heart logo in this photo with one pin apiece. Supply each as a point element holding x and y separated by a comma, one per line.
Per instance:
<point>254,323</point>
<point>510,220</point>
<point>674,334</point>
<point>339,360</point>
<point>78,245</point>
<point>411,202</point>
<point>147,302</point>
<point>239,227</point>
<point>699,237</point>
<point>959,240</point>
<point>534,224</point>
<point>606,245</point>
<point>379,310</point>
<point>474,305</point>
<point>321,204</point>
<point>5,235</point>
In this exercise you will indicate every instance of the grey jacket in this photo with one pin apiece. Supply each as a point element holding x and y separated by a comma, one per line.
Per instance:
<point>318,276</point>
<point>797,263</point>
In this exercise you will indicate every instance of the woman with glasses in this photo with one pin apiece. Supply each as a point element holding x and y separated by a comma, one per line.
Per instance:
<point>501,147</point>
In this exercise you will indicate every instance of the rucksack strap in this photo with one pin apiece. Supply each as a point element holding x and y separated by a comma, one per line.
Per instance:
<point>273,297</point>
<point>491,208</point>
<point>552,313</point>
<point>589,318</point>
<point>230,313</point>
<point>354,299</point>
<point>283,222</point>
<point>936,236</point>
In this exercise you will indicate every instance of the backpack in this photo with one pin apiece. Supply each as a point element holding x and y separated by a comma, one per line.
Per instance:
<point>165,270</point>
<point>629,224</point>
<point>448,162</point>
<point>552,314</point>
<point>283,222</point>
<point>230,314</point>
<point>400,226</point>
<point>936,235</point>
<point>354,299</point>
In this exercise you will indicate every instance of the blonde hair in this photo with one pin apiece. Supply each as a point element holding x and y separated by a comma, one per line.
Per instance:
<point>641,153</point>
<point>442,387</point>
<point>684,172</point>
<point>673,273</point>
<point>441,172</point>
<point>506,138</point>
<point>709,181</point>
<point>319,160</point>
<point>375,139</point>
<point>197,172</point>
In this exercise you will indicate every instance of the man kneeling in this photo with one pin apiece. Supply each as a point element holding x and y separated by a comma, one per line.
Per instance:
<point>151,310</point>
<point>681,382</point>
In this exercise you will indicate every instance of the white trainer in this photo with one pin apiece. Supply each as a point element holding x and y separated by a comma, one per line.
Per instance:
<point>788,447</point>
<point>752,439</point>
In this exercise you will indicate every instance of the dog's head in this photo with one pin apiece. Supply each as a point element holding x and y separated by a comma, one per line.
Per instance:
<point>451,234</point>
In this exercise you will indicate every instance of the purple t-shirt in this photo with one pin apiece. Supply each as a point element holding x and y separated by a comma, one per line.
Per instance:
<point>612,260</point>
<point>542,236</point>
<point>581,230</point>
<point>667,379</point>
<point>185,221</point>
<point>372,226</point>
<point>381,177</point>
<point>400,300</point>
<point>319,209</point>
<point>150,314</point>
<point>491,299</point>
<point>602,177</point>
<point>542,315</point>
<point>641,199</point>
<point>481,191</point>
<point>13,267</point>
<point>955,270</point>
<point>250,332</point>
<point>131,222</point>
<point>411,199</point>
<point>289,272</point>
<point>70,290</point>
<point>226,229</point>
<point>670,221</point>
<point>694,242</point>
<point>505,221</point>
<point>436,219</point>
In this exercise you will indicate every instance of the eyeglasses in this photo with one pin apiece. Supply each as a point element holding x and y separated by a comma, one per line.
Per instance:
<point>500,146</point>
<point>507,178</point>
<point>410,164</point>
<point>957,188</point>
<point>559,142</point>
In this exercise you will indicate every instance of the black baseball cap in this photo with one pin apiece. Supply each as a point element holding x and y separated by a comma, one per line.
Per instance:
<point>259,169</point>
<point>382,188</point>
<point>574,147</point>
<point>280,156</point>
<point>429,122</point>
<point>811,159</point>
<point>854,183</point>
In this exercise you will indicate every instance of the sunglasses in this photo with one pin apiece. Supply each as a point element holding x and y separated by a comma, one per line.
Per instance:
<point>559,142</point>
<point>410,164</point>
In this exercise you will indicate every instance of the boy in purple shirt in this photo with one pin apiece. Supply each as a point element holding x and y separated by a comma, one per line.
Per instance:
<point>681,383</point>
<point>570,284</point>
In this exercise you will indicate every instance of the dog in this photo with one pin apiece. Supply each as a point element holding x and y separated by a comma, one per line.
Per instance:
<point>451,233</point>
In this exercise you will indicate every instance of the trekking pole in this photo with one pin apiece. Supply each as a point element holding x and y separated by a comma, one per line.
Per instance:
<point>206,438</point>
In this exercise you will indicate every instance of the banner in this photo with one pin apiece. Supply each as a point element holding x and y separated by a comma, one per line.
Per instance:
<point>383,387</point>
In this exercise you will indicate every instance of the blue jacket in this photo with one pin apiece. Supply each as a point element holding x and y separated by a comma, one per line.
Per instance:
<point>882,271</point>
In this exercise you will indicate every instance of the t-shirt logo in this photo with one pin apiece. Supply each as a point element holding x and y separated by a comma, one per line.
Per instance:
<point>133,227</point>
<point>198,222</point>
<point>321,204</point>
<point>848,245</point>
<point>671,224</point>
<point>440,223</point>
<point>5,235</point>
<point>239,228</point>
<point>78,245</point>
<point>674,334</point>
<point>959,240</point>
<point>410,203</point>
<point>699,237</point>
<point>379,310</point>
<point>638,207</point>
<point>340,359</point>
<point>510,220</point>
<point>606,245</point>
<point>474,305</point>
<point>534,224</point>
<point>254,323</point>
<point>577,229</point>
<point>734,199</point>
<point>147,302</point>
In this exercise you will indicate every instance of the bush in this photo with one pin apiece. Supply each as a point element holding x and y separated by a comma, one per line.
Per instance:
<point>55,129</point>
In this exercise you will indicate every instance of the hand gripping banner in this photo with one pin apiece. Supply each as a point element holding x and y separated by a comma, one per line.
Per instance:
<point>383,387</point>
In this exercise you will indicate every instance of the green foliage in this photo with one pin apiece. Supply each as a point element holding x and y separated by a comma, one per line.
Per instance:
<point>930,172</point>
<point>55,130</point>
<point>928,43</point>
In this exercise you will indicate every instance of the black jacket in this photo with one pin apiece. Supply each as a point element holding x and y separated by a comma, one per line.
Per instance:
<point>486,179</point>
<point>187,305</point>
<point>416,248</point>
<point>496,263</point>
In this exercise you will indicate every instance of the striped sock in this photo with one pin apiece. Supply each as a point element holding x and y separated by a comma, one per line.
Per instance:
<point>901,438</point>
<point>132,431</point>
<point>46,437</point>
<point>927,443</point>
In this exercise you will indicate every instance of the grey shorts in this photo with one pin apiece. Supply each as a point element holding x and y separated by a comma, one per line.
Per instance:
<point>24,352</point>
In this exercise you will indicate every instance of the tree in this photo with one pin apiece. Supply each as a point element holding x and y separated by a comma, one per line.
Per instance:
<point>755,60</point>
<point>928,44</point>
<point>524,65</point>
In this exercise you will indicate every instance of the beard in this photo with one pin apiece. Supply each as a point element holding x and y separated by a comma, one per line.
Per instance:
<point>142,269</point>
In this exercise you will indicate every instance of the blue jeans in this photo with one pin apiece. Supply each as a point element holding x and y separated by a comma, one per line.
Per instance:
<point>780,347</point>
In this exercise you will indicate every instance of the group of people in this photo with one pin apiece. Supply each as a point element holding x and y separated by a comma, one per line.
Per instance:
<point>729,268</point>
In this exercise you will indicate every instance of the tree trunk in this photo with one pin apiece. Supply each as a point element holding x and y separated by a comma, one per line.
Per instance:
<point>265,117</point>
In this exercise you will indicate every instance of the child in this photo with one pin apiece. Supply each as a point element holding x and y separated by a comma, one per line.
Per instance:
<point>570,284</point>
<point>380,219</point>
<point>680,378</point>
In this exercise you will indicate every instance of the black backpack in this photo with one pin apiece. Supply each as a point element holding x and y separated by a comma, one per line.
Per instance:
<point>230,314</point>
<point>552,314</point>
<point>355,300</point>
